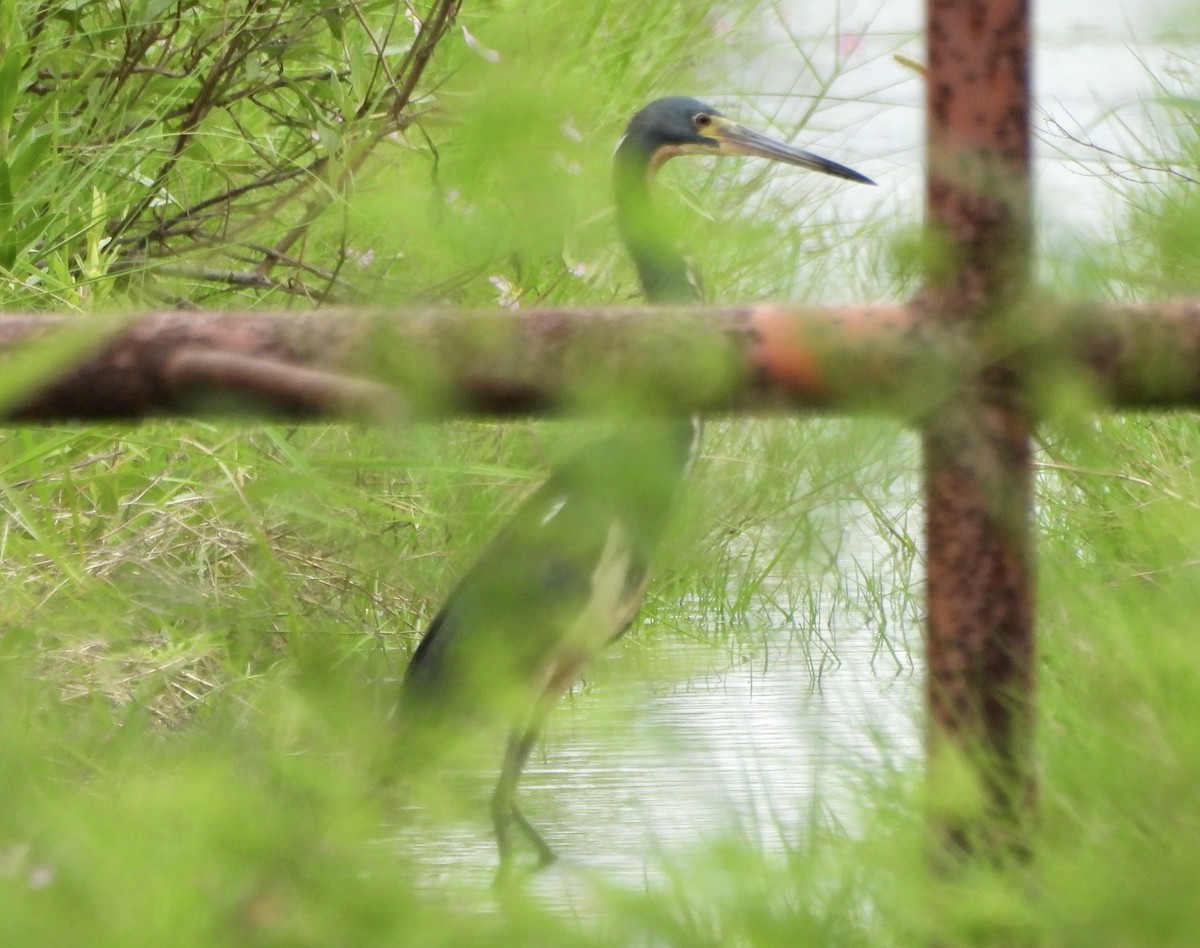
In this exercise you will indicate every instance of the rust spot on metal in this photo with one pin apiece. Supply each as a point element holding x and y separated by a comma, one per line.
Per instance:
<point>779,354</point>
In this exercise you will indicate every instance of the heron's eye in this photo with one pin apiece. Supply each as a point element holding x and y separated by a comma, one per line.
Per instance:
<point>703,121</point>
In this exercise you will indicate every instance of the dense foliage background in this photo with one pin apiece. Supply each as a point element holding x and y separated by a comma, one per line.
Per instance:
<point>203,625</point>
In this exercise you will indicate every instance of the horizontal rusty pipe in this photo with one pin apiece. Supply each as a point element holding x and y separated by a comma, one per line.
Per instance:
<point>442,363</point>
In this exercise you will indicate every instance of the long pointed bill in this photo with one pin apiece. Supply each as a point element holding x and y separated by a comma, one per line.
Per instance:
<point>734,139</point>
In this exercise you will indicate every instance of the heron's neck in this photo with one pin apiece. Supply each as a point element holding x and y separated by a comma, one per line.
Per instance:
<point>661,268</point>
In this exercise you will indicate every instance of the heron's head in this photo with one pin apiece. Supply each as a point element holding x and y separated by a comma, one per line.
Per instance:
<point>667,128</point>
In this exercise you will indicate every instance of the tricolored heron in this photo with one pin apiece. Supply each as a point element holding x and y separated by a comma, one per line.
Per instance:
<point>566,575</point>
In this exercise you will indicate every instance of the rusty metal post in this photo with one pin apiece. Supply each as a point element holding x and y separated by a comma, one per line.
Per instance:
<point>979,634</point>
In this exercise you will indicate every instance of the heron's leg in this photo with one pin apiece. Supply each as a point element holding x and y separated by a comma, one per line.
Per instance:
<point>502,800</point>
<point>504,806</point>
<point>546,855</point>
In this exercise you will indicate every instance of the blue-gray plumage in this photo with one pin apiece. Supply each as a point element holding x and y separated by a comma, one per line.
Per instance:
<point>567,574</point>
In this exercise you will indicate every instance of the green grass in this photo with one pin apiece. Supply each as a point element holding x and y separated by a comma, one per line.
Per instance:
<point>204,626</point>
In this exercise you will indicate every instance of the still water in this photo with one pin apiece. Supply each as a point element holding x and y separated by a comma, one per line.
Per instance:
<point>685,742</point>
<point>1096,71</point>
<point>684,735</point>
<point>676,741</point>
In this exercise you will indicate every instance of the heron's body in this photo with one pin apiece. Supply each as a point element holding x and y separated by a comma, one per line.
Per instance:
<point>567,574</point>
<point>563,578</point>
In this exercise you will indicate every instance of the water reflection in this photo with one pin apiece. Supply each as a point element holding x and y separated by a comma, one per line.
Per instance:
<point>735,750</point>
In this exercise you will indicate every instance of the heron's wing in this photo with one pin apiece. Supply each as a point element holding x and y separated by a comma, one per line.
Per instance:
<point>537,579</point>
<point>515,601</point>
